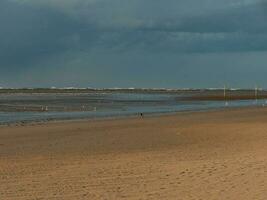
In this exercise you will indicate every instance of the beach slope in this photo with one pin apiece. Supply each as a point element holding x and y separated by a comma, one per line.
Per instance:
<point>200,155</point>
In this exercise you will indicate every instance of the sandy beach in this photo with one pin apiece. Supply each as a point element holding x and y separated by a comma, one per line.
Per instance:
<point>198,155</point>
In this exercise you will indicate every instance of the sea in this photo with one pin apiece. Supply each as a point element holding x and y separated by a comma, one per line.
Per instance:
<point>39,107</point>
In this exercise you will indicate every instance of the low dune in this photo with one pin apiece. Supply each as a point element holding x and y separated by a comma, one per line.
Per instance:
<point>198,155</point>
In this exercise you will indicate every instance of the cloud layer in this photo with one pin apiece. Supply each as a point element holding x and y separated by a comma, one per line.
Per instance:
<point>54,34</point>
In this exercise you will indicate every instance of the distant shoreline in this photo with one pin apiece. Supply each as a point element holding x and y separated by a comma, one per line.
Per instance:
<point>87,90</point>
<point>216,94</point>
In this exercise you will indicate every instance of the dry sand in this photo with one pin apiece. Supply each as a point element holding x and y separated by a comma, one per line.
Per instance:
<point>205,155</point>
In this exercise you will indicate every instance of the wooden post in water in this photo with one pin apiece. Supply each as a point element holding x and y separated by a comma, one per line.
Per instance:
<point>224,93</point>
<point>256,94</point>
<point>224,96</point>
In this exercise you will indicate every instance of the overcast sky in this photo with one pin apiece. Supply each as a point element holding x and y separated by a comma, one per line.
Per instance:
<point>133,43</point>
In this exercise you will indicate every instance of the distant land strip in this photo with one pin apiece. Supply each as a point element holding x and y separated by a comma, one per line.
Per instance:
<point>182,94</point>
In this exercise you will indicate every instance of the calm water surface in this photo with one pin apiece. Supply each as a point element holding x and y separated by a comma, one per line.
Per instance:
<point>41,107</point>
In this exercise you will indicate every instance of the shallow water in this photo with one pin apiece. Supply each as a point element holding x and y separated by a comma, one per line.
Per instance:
<point>41,107</point>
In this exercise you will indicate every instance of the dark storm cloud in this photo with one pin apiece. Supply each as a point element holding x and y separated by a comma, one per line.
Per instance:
<point>234,29</point>
<point>27,32</point>
<point>30,31</point>
<point>95,35</point>
<point>245,18</point>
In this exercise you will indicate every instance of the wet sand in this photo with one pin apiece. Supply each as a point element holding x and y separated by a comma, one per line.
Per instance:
<point>201,155</point>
